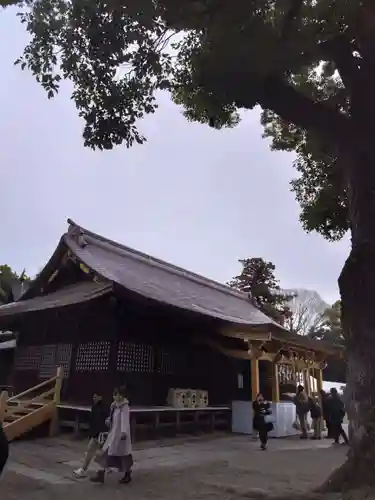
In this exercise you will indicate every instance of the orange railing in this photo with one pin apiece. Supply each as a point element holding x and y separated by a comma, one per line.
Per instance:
<point>21,413</point>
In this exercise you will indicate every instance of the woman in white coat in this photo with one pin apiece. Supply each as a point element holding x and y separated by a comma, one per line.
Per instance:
<point>117,449</point>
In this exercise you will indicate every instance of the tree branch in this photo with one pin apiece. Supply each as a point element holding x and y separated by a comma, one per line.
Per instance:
<point>275,94</point>
<point>291,15</point>
<point>340,51</point>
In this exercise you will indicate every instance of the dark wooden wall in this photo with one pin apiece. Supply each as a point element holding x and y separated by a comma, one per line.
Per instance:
<point>111,342</point>
<point>6,367</point>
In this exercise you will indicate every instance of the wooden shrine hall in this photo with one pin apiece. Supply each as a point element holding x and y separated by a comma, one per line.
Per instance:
<point>110,315</point>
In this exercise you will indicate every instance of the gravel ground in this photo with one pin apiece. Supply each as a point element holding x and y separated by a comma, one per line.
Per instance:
<point>202,469</point>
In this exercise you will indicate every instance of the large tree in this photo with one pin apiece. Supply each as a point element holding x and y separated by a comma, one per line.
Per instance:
<point>258,280</point>
<point>331,331</point>
<point>308,63</point>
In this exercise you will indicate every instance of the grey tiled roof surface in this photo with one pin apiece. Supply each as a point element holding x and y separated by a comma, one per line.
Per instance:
<point>69,295</point>
<point>163,282</point>
<point>151,278</point>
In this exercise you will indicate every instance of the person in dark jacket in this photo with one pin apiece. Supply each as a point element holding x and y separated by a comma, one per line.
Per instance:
<point>98,428</point>
<point>337,412</point>
<point>325,399</point>
<point>302,409</point>
<point>4,449</point>
<point>316,417</point>
<point>261,410</point>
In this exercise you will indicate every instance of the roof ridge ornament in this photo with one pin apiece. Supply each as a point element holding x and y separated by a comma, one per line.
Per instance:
<point>77,235</point>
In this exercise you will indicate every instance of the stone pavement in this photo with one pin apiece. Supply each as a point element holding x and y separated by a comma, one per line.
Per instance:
<point>231,466</point>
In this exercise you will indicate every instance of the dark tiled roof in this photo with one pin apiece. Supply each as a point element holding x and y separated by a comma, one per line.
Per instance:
<point>163,282</point>
<point>69,295</point>
<point>151,278</point>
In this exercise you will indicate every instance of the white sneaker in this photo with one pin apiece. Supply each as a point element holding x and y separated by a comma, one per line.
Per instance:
<point>80,473</point>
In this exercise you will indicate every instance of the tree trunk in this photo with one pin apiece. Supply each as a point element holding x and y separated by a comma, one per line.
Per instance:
<point>357,284</point>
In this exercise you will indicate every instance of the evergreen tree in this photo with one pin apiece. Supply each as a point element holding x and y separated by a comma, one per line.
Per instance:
<point>258,280</point>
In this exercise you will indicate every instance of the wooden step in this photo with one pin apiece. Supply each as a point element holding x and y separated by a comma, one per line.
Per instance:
<point>26,422</point>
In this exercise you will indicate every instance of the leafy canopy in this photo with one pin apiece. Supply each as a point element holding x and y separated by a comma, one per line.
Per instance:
<point>258,280</point>
<point>298,59</point>
<point>331,329</point>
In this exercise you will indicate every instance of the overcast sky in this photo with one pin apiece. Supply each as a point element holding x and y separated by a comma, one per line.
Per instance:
<point>198,198</point>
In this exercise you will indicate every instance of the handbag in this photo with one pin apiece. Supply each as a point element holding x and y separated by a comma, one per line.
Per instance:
<point>102,438</point>
<point>296,425</point>
<point>269,419</point>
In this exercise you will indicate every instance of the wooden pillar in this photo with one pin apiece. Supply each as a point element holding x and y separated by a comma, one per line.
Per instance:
<point>54,426</point>
<point>319,386</point>
<point>275,383</point>
<point>308,381</point>
<point>254,378</point>
<point>294,371</point>
<point>319,379</point>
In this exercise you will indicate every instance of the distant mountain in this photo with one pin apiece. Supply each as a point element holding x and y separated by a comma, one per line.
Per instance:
<point>307,307</point>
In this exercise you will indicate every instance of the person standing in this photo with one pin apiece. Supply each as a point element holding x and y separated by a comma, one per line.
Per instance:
<point>261,410</point>
<point>336,416</point>
<point>4,449</point>
<point>325,400</point>
<point>316,417</point>
<point>117,449</point>
<point>98,415</point>
<point>302,408</point>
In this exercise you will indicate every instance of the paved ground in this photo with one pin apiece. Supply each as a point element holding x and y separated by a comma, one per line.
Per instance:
<point>229,467</point>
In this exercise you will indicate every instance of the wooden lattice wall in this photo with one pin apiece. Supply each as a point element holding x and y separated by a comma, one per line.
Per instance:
<point>101,346</point>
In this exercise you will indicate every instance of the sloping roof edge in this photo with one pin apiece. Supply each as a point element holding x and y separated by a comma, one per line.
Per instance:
<point>190,275</point>
<point>76,242</point>
<point>73,294</point>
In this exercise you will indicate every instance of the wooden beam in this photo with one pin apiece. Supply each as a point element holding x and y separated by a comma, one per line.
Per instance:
<point>84,268</point>
<point>255,386</point>
<point>275,383</point>
<point>252,335</point>
<point>233,353</point>
<point>53,276</point>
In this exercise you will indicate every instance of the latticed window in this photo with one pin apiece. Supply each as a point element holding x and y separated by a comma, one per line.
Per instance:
<point>28,358</point>
<point>52,356</point>
<point>133,357</point>
<point>93,357</point>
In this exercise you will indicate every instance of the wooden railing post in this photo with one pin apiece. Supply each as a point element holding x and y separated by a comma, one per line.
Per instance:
<point>54,426</point>
<point>3,404</point>
<point>58,384</point>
